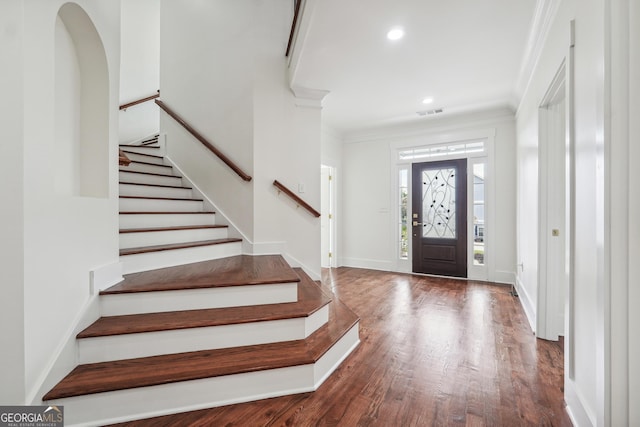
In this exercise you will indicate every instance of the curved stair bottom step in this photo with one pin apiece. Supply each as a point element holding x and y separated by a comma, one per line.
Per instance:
<point>144,402</point>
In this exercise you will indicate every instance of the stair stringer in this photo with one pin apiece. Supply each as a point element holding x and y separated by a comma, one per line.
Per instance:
<point>152,401</point>
<point>249,247</point>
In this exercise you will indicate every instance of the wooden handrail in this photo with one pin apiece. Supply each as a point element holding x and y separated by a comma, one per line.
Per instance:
<point>203,140</point>
<point>139,101</point>
<point>294,24</point>
<point>297,199</point>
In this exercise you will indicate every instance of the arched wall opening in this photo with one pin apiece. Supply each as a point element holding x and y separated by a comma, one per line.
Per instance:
<point>82,106</point>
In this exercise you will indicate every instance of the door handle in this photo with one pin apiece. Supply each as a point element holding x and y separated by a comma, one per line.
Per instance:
<point>416,223</point>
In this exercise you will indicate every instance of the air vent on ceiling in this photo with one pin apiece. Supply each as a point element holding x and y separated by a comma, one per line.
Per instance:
<point>429,112</point>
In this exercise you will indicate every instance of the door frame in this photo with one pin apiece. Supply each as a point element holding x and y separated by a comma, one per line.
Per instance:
<point>328,214</point>
<point>483,273</point>
<point>553,210</point>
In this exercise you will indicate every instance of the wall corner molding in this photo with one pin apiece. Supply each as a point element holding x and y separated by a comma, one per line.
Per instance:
<point>307,97</point>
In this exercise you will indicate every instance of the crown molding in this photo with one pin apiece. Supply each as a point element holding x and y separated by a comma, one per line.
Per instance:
<point>540,25</point>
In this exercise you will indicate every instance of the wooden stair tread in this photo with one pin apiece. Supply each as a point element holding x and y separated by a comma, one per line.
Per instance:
<point>310,299</point>
<point>151,164</point>
<point>160,198</point>
<point>148,173</point>
<point>172,246</point>
<point>143,154</point>
<point>138,146</point>
<point>230,271</point>
<point>182,227</point>
<point>166,369</point>
<point>154,185</point>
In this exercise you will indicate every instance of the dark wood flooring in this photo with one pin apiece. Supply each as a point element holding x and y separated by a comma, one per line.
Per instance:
<point>434,352</point>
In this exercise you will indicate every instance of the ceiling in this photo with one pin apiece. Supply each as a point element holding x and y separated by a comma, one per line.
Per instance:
<point>465,54</point>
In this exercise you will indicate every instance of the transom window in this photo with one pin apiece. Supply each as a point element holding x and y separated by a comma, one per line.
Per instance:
<point>474,148</point>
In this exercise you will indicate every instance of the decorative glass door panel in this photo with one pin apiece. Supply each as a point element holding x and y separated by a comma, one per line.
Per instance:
<point>439,203</point>
<point>439,217</point>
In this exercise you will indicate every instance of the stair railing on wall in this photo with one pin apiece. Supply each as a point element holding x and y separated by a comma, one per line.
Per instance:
<point>204,141</point>
<point>140,101</point>
<point>298,200</point>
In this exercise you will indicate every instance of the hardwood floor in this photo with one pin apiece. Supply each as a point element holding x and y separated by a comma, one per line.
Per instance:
<point>434,352</point>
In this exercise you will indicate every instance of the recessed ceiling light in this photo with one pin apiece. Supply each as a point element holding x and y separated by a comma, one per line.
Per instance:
<point>427,100</point>
<point>395,34</point>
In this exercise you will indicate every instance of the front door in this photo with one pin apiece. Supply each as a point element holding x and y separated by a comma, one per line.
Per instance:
<point>439,218</point>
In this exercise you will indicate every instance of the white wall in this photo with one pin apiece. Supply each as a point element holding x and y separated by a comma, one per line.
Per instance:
<point>633,351</point>
<point>12,368</point>
<point>286,146</point>
<point>139,67</point>
<point>206,77</point>
<point>585,368</point>
<point>67,109</point>
<point>367,235</point>
<point>366,214</point>
<point>65,236</point>
<point>223,70</point>
<point>634,212</point>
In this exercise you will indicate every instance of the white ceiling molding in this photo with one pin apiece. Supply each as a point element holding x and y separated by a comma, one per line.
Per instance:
<point>305,17</point>
<point>307,97</point>
<point>541,24</point>
<point>441,127</point>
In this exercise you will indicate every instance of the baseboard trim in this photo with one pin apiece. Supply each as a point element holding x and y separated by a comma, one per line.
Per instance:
<point>578,413</point>
<point>65,358</point>
<point>506,277</point>
<point>370,264</point>
<point>104,277</point>
<point>526,303</point>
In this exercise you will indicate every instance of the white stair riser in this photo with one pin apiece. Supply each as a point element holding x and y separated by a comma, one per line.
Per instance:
<point>130,346</point>
<point>149,179</point>
<point>151,191</point>
<point>144,150</point>
<point>194,299</point>
<point>142,158</point>
<point>161,259</point>
<point>142,167</point>
<point>128,221</point>
<point>147,402</point>
<point>330,361</point>
<point>155,205</point>
<point>152,238</point>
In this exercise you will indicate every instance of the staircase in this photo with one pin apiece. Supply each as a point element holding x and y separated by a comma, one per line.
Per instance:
<point>161,222</point>
<point>196,324</point>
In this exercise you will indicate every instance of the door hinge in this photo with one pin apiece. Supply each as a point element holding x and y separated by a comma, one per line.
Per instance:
<point>330,216</point>
<point>330,254</point>
<point>330,177</point>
